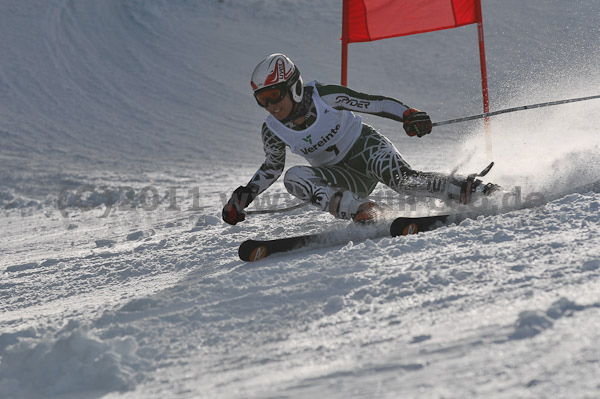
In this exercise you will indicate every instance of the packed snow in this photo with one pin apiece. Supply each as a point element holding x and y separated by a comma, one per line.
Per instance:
<point>125,125</point>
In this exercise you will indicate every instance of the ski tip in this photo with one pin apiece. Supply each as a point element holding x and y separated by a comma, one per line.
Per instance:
<point>486,170</point>
<point>252,251</point>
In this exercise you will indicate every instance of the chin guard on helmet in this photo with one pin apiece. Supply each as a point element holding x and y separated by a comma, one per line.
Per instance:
<point>297,89</point>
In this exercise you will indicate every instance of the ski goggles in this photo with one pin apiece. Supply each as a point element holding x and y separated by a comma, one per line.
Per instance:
<point>272,95</point>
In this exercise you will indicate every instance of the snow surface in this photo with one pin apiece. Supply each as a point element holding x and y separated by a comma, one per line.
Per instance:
<point>124,125</point>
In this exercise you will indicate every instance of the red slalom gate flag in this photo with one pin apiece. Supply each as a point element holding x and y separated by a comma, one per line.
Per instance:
<point>369,20</point>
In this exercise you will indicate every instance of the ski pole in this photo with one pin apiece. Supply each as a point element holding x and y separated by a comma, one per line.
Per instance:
<point>278,210</point>
<point>504,111</point>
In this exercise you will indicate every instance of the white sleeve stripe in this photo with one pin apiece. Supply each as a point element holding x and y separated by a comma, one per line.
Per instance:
<point>385,107</point>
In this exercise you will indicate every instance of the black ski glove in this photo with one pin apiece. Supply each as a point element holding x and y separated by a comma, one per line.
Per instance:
<point>416,123</point>
<point>233,212</point>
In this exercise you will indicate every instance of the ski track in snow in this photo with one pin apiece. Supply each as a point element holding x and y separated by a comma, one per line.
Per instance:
<point>398,311</point>
<point>125,128</point>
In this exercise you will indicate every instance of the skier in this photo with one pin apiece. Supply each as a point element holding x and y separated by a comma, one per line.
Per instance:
<point>347,157</point>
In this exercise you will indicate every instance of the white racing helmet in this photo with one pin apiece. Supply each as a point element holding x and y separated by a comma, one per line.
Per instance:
<point>277,71</point>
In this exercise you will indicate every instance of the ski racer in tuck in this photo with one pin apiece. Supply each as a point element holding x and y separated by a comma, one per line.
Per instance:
<point>347,157</point>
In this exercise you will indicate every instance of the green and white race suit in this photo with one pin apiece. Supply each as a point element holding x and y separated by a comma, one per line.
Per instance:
<point>343,152</point>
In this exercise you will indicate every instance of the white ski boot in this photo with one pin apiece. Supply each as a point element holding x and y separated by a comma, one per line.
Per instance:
<point>467,189</point>
<point>345,204</point>
<point>474,188</point>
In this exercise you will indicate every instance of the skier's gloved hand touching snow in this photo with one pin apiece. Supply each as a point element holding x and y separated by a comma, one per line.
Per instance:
<point>416,123</point>
<point>233,211</point>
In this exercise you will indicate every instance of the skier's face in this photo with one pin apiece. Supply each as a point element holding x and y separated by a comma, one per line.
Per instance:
<point>281,109</point>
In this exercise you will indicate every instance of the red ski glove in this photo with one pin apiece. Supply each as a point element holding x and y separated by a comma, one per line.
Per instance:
<point>416,123</point>
<point>233,212</point>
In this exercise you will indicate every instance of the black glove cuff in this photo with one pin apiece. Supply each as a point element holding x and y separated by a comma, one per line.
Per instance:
<point>245,195</point>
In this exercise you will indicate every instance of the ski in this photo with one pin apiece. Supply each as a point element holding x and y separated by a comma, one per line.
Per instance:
<point>255,250</point>
<point>403,226</point>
